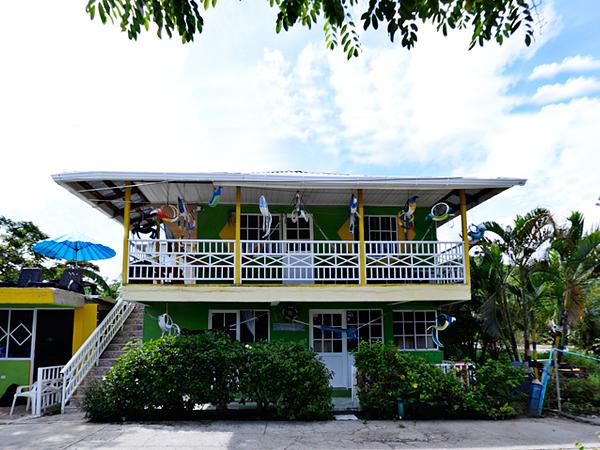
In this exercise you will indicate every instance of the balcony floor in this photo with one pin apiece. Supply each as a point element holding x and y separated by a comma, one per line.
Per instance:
<point>296,293</point>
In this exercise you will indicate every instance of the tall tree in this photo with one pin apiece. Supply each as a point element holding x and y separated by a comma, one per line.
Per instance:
<point>485,19</point>
<point>574,261</point>
<point>16,240</point>
<point>523,246</point>
<point>490,277</point>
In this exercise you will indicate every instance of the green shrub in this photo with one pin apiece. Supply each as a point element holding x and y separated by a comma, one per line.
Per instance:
<point>168,377</point>
<point>287,380</point>
<point>386,375</point>
<point>579,396</point>
<point>492,392</point>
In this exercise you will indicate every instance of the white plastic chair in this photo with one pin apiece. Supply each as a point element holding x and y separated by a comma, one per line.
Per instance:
<point>29,391</point>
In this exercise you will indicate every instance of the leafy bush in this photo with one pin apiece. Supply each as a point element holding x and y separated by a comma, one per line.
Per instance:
<point>386,375</point>
<point>286,378</point>
<point>493,390</point>
<point>579,396</point>
<point>169,377</point>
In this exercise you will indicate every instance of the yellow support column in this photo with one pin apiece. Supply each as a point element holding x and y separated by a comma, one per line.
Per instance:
<point>85,320</point>
<point>463,223</point>
<point>238,234</point>
<point>361,238</point>
<point>126,214</point>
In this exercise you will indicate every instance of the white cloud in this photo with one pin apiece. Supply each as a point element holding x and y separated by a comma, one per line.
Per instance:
<point>576,63</point>
<point>573,87</point>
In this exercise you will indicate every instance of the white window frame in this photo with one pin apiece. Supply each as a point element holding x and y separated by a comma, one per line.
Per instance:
<point>237,319</point>
<point>33,334</point>
<point>393,226</point>
<point>415,334</point>
<point>371,323</point>
<point>275,230</point>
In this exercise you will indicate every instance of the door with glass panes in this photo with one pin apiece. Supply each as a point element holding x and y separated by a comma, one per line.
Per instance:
<point>335,335</point>
<point>298,261</point>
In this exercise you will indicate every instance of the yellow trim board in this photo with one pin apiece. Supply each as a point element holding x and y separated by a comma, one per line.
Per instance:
<point>346,293</point>
<point>40,296</point>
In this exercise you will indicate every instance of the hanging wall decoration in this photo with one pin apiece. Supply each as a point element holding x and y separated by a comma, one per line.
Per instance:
<point>443,321</point>
<point>299,210</point>
<point>406,217</point>
<point>439,212</point>
<point>353,208</point>
<point>267,218</point>
<point>476,233</point>
<point>179,220</point>
<point>216,197</point>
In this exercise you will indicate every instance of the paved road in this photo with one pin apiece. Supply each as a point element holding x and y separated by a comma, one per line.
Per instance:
<point>71,432</point>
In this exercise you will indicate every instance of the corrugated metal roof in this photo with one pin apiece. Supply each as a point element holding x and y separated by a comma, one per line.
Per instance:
<point>105,190</point>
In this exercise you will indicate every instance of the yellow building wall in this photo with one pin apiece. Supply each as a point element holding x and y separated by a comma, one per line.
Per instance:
<point>85,320</point>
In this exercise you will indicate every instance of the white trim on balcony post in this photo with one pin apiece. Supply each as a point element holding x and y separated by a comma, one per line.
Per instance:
<point>361,237</point>
<point>238,234</point>
<point>465,236</point>
<point>126,217</point>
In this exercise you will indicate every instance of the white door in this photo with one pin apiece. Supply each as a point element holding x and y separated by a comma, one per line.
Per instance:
<point>330,344</point>
<point>298,260</point>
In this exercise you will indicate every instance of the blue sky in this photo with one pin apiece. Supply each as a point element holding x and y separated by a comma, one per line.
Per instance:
<point>77,95</point>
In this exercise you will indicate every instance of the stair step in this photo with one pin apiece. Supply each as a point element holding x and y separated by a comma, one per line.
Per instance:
<point>107,362</point>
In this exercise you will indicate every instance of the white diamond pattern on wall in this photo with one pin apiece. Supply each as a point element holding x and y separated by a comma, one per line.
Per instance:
<point>20,334</point>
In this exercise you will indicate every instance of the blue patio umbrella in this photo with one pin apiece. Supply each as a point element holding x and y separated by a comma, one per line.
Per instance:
<point>73,247</point>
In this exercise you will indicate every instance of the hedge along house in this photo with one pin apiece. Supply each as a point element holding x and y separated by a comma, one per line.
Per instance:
<point>42,327</point>
<point>213,265</point>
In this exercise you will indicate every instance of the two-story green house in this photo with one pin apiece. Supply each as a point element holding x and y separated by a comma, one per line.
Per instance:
<point>328,260</point>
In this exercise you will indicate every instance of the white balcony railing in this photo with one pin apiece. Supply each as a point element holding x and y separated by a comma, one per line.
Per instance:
<point>414,261</point>
<point>300,262</point>
<point>187,260</point>
<point>295,262</point>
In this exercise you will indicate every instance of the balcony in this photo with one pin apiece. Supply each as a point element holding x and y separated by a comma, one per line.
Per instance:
<point>293,262</point>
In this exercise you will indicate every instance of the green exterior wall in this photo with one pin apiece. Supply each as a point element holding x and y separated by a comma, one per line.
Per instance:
<point>194,316</point>
<point>13,371</point>
<point>327,219</point>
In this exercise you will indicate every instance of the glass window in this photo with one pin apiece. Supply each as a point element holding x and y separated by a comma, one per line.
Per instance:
<point>381,228</point>
<point>16,333</point>
<point>412,329</point>
<point>368,326</point>
<point>246,325</point>
<point>251,227</point>
<point>3,332</point>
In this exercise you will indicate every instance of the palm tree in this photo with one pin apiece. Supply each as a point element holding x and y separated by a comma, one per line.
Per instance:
<point>574,260</point>
<point>491,276</point>
<point>523,245</point>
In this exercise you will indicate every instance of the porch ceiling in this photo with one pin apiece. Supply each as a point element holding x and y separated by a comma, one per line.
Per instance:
<point>105,190</point>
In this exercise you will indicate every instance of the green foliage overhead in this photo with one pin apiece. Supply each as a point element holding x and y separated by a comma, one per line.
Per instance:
<point>16,240</point>
<point>485,19</point>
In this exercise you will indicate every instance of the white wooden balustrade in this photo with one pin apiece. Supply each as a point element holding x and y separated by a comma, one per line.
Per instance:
<point>300,262</point>
<point>48,389</point>
<point>89,353</point>
<point>295,262</point>
<point>187,260</point>
<point>414,261</point>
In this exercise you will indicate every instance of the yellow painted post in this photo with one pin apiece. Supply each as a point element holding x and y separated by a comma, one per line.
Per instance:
<point>85,320</point>
<point>361,238</point>
<point>238,234</point>
<point>126,214</point>
<point>463,222</point>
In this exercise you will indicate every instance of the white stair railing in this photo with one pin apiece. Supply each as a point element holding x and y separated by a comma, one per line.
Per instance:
<point>48,389</point>
<point>89,353</point>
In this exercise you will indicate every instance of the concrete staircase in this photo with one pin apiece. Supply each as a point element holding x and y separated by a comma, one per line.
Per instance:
<point>133,329</point>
